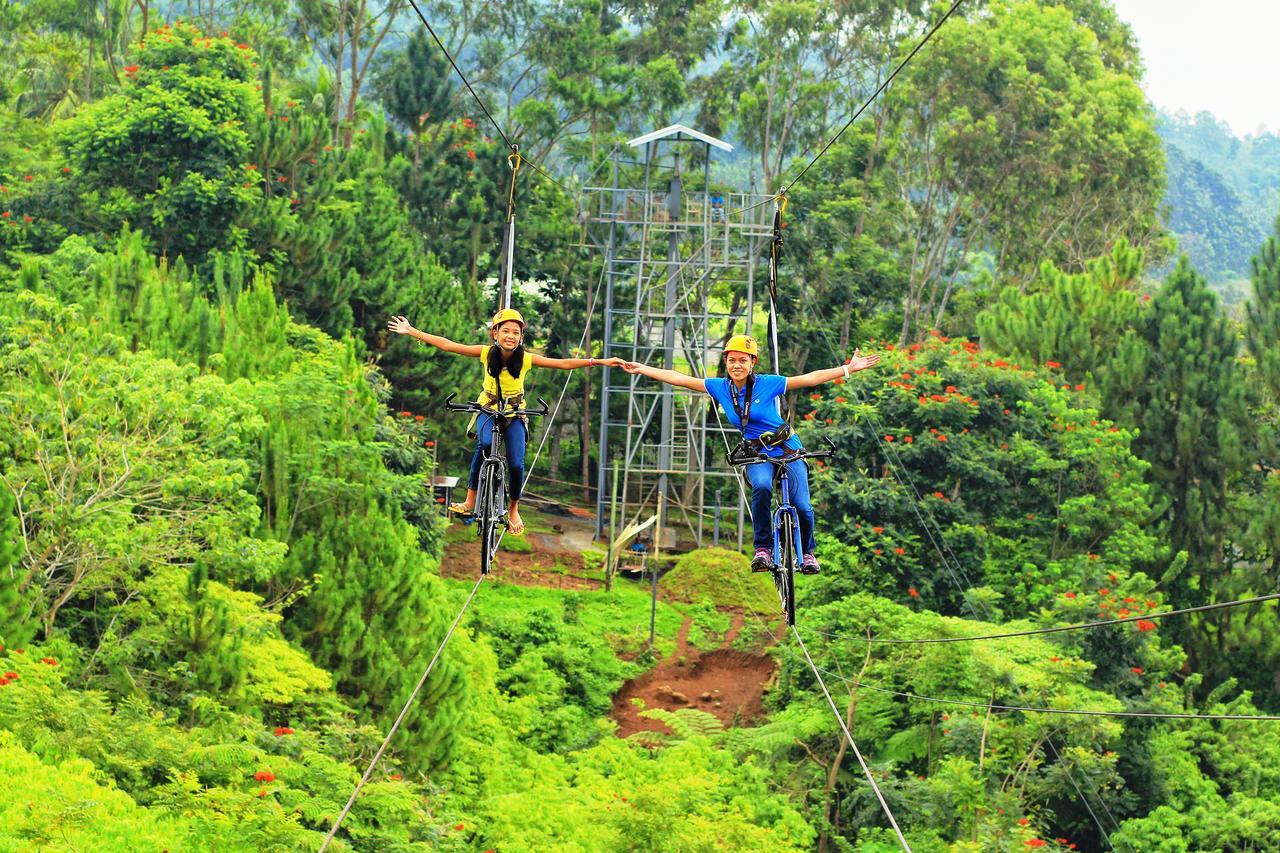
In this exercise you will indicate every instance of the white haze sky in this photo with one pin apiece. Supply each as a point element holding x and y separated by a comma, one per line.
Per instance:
<point>1215,55</point>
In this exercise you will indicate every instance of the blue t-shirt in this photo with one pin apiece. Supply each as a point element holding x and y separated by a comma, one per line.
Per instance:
<point>765,415</point>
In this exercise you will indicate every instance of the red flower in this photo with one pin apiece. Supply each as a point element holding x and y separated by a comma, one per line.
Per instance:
<point>1104,591</point>
<point>459,826</point>
<point>3,682</point>
<point>1079,387</point>
<point>49,661</point>
<point>1054,659</point>
<point>841,400</point>
<point>262,792</point>
<point>406,414</point>
<point>26,218</point>
<point>899,551</point>
<point>815,396</point>
<point>1035,842</point>
<point>938,495</point>
<point>66,169</point>
<point>1068,595</point>
<point>419,418</point>
<point>888,438</point>
<point>1022,821</point>
<point>877,530</point>
<point>877,552</point>
<point>131,69</point>
<point>396,777</point>
<point>11,675</point>
<point>283,730</point>
<point>28,178</point>
<point>265,776</point>
<point>908,439</point>
<point>913,592</point>
<point>1136,670</point>
<point>1052,364</point>
<point>4,215</point>
<point>1093,556</point>
<point>942,437</point>
<point>428,444</point>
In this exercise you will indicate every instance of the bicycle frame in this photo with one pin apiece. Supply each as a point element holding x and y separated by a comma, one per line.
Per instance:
<point>491,489</point>
<point>786,522</point>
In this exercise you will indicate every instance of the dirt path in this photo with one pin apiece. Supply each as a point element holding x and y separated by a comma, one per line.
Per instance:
<point>726,683</point>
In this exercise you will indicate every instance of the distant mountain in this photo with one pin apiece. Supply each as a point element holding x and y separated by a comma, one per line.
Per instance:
<point>1224,191</point>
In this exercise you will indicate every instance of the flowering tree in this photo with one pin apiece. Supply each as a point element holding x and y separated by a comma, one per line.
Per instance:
<point>1012,472</point>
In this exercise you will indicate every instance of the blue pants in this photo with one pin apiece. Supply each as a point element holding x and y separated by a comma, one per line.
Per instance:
<point>760,475</point>
<point>514,438</point>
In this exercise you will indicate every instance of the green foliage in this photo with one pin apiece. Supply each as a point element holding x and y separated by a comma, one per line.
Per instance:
<point>16,627</point>
<point>167,153</point>
<point>720,577</point>
<point>1021,482</point>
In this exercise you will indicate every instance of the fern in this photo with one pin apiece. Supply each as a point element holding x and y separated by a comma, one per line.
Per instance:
<point>686,723</point>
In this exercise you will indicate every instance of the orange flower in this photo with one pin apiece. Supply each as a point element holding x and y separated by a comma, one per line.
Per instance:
<point>913,592</point>
<point>1052,364</point>
<point>1136,670</point>
<point>1145,625</point>
<point>877,530</point>
<point>899,551</point>
<point>264,776</point>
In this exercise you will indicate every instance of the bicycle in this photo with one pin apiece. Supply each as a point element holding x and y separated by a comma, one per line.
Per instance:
<point>490,510</point>
<point>786,521</point>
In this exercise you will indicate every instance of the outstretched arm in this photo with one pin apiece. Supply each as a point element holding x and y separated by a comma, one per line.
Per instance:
<point>401,326</point>
<point>575,363</point>
<point>670,377</point>
<point>818,377</point>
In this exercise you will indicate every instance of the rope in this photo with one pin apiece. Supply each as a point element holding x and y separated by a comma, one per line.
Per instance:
<point>461,76</point>
<point>399,719</point>
<point>1078,712</point>
<point>1056,629</point>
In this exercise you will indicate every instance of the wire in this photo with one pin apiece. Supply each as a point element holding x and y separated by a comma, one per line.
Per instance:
<point>874,95</point>
<point>1056,629</point>
<point>1078,712</point>
<point>857,752</point>
<point>396,725</point>
<point>845,729</point>
<point>461,76</point>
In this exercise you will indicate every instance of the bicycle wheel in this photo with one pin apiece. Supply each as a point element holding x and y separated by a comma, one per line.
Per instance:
<point>486,519</point>
<point>784,575</point>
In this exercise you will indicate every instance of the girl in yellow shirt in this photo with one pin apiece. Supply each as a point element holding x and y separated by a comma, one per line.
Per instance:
<point>506,366</point>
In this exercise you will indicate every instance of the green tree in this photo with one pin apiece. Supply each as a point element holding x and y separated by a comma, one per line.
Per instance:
<point>1191,411</point>
<point>16,626</point>
<point>1015,139</point>
<point>167,152</point>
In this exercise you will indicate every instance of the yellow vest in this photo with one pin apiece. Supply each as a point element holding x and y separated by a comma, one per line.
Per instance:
<point>512,386</point>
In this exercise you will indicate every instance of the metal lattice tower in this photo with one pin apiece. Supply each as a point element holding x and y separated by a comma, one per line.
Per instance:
<point>673,258</point>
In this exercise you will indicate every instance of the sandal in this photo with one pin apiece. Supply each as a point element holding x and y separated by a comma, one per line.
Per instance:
<point>462,511</point>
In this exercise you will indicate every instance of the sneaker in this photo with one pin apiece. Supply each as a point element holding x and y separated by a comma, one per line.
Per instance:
<point>809,565</point>
<point>762,561</point>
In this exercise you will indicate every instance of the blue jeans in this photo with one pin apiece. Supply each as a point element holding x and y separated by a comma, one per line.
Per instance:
<point>514,438</point>
<point>760,475</point>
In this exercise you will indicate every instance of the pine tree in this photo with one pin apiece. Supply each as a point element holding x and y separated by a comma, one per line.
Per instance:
<point>16,629</point>
<point>1191,409</point>
<point>1262,331</point>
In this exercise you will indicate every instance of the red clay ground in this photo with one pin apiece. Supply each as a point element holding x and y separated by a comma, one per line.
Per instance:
<point>726,683</point>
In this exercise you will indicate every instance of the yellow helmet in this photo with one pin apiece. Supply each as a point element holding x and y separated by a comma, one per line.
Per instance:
<point>743,343</point>
<point>504,315</point>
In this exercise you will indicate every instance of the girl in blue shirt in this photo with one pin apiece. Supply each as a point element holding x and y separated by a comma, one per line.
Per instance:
<point>750,402</point>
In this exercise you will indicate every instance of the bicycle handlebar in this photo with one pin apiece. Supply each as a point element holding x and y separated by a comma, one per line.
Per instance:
<point>476,408</point>
<point>743,455</point>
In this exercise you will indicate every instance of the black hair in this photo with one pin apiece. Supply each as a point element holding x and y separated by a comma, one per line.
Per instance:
<point>514,363</point>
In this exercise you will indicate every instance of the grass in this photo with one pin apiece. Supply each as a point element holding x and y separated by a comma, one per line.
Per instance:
<point>620,617</point>
<point>722,578</point>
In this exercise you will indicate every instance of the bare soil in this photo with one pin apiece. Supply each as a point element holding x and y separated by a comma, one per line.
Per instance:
<point>726,683</point>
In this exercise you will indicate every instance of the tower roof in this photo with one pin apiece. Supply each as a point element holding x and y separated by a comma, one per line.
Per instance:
<point>676,130</point>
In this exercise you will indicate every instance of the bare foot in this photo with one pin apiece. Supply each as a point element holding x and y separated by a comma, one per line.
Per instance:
<point>515,524</point>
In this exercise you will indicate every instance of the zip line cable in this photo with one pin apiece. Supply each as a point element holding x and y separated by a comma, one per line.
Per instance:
<point>1077,712</point>
<point>874,95</point>
<point>1053,630</point>
<point>461,76</point>
<point>884,805</point>
<point>399,719</point>
<point>879,90</point>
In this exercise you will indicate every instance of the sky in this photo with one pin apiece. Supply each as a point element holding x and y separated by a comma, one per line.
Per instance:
<point>1215,55</point>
